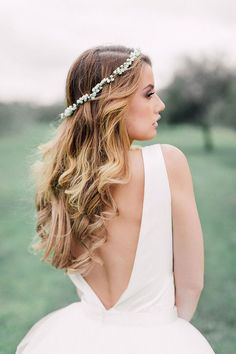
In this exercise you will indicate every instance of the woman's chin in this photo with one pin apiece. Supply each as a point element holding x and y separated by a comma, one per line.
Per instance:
<point>148,136</point>
<point>153,133</point>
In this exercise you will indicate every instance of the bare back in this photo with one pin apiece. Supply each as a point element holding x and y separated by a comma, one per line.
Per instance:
<point>118,253</point>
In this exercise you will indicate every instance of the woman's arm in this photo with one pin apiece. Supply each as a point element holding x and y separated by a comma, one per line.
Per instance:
<point>188,244</point>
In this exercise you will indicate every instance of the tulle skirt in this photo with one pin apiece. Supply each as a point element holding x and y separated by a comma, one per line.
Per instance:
<point>80,329</point>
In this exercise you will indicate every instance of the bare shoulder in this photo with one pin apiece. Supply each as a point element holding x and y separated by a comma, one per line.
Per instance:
<point>173,155</point>
<point>177,165</point>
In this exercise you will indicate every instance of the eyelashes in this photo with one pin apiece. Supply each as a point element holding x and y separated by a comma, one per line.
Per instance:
<point>152,93</point>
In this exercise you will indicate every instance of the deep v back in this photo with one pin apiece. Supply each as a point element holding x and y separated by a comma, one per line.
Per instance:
<point>152,265</point>
<point>86,326</point>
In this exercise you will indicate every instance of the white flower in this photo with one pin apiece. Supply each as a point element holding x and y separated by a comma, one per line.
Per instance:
<point>118,71</point>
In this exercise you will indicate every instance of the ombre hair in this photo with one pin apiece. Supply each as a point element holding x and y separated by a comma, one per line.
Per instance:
<point>81,162</point>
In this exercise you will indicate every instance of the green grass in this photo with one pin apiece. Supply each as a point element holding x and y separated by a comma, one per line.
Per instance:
<point>30,289</point>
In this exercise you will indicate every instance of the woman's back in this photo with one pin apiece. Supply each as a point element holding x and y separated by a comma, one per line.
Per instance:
<point>136,288</point>
<point>118,253</point>
<point>140,275</point>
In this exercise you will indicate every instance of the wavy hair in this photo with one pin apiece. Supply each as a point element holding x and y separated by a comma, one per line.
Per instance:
<point>86,156</point>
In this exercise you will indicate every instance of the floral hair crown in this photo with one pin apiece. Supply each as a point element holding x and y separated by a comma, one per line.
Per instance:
<point>87,97</point>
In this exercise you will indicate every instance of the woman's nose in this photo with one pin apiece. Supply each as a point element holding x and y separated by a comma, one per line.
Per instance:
<point>161,105</point>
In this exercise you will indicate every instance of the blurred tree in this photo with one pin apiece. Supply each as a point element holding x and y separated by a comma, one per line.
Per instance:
<point>50,113</point>
<point>14,116</point>
<point>223,111</point>
<point>197,91</point>
<point>5,118</point>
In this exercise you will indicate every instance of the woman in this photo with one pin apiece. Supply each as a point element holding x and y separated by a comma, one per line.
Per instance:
<point>121,222</point>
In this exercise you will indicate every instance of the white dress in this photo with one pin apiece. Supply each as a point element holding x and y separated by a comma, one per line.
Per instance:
<point>144,320</point>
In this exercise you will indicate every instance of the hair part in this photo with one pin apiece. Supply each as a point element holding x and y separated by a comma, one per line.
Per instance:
<point>85,157</point>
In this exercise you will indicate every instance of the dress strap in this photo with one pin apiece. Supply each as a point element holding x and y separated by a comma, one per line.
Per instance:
<point>156,175</point>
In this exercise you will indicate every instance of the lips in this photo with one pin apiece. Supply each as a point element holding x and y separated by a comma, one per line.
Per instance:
<point>158,118</point>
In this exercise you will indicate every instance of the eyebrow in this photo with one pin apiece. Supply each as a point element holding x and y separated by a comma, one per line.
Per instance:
<point>150,85</point>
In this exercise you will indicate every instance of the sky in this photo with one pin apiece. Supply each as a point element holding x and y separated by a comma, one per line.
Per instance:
<point>41,38</point>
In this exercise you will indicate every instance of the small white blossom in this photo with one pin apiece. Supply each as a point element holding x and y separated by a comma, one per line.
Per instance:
<point>118,71</point>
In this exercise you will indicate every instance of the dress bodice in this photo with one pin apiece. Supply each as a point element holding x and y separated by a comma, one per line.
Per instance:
<point>151,284</point>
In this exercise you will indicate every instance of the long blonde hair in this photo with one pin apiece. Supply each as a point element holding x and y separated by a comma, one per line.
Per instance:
<point>87,155</point>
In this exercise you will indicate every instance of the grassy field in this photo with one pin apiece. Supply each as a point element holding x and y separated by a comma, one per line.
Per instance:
<point>30,288</point>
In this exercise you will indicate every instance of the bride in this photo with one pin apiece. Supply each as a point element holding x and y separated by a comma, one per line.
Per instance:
<point>121,221</point>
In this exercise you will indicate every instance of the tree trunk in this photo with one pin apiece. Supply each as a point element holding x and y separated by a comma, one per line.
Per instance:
<point>207,136</point>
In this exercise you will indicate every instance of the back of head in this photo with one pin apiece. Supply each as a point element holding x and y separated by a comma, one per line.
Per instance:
<point>87,154</point>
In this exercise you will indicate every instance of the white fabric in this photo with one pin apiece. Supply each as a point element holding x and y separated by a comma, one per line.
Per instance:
<point>144,320</point>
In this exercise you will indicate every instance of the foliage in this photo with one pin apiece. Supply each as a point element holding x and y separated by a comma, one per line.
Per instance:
<point>202,93</point>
